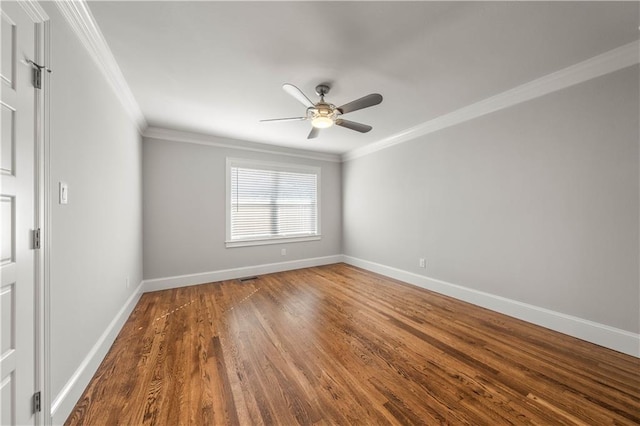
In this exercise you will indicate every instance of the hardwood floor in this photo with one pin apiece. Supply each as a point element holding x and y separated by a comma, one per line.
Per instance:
<point>339,345</point>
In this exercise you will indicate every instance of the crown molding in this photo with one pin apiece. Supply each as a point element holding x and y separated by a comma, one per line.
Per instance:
<point>222,142</point>
<point>34,10</point>
<point>608,62</point>
<point>83,24</point>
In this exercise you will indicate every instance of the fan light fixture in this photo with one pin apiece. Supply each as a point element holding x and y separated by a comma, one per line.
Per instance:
<point>323,114</point>
<point>321,122</point>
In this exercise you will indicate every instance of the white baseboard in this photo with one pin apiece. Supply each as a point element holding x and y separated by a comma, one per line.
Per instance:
<point>230,274</point>
<point>64,402</point>
<point>600,334</point>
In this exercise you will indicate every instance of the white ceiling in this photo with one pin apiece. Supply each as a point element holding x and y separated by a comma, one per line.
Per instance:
<point>218,67</point>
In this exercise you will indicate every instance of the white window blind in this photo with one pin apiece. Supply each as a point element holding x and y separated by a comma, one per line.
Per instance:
<point>269,202</point>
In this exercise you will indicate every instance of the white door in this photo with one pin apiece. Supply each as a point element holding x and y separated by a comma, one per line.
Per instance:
<point>17,217</point>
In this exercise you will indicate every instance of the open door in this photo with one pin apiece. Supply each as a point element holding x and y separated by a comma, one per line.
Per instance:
<point>20,310</point>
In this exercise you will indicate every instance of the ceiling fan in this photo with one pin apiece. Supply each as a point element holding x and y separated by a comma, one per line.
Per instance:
<point>323,114</point>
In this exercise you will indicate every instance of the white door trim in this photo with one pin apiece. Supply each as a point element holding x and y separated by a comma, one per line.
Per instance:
<point>43,210</point>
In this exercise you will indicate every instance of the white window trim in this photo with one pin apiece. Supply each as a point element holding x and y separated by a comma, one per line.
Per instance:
<point>269,165</point>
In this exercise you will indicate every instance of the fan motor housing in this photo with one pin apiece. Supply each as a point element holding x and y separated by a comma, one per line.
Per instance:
<point>322,109</point>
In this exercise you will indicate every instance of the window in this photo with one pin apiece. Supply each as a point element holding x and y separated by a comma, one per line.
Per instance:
<point>270,203</point>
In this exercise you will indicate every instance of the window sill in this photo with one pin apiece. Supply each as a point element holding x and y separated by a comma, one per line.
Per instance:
<point>266,241</point>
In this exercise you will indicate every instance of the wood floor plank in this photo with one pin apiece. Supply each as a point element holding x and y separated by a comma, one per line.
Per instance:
<point>340,345</point>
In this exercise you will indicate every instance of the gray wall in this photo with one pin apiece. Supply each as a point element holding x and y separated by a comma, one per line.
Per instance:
<point>184,211</point>
<point>536,203</point>
<point>96,239</point>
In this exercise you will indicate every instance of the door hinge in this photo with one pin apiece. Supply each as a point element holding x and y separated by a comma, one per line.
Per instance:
<point>37,405</point>
<point>37,77</point>
<point>37,73</point>
<point>37,240</point>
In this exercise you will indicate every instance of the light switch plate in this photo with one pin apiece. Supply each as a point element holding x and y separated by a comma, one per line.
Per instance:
<point>64,193</point>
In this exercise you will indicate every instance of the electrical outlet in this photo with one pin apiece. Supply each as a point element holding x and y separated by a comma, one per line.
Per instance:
<point>422,263</point>
<point>283,252</point>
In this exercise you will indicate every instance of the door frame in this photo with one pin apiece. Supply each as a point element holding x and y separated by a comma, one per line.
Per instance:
<point>42,206</point>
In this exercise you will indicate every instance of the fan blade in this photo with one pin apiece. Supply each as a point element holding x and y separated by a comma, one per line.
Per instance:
<point>284,119</point>
<point>358,127</point>
<point>297,93</point>
<point>313,133</point>
<point>364,102</point>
